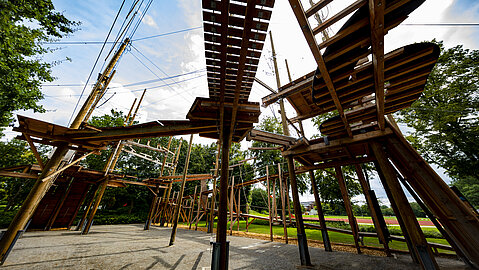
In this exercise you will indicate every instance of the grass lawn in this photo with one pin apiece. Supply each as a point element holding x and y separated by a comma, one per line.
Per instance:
<point>335,237</point>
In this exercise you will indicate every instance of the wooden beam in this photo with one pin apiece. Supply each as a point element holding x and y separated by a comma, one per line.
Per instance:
<point>376,21</point>
<point>310,38</point>
<point>331,164</point>
<point>57,172</point>
<point>34,150</point>
<point>322,147</point>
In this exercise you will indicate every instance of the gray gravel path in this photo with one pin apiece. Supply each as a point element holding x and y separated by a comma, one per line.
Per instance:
<point>130,247</point>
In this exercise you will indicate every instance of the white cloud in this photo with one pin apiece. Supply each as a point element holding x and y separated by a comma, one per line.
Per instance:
<point>148,20</point>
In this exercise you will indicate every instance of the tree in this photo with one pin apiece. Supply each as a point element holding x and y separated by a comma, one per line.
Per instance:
<point>445,118</point>
<point>259,200</point>
<point>16,152</point>
<point>25,26</point>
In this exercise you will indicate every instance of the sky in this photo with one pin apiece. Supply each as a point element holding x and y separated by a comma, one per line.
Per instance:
<point>174,47</point>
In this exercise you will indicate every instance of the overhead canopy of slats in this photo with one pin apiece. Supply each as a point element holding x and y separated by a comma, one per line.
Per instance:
<point>234,33</point>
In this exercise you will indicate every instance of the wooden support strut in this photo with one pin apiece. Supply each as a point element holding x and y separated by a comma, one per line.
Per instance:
<point>419,244</point>
<point>180,194</point>
<point>322,220</point>
<point>302,240</point>
<point>349,209</point>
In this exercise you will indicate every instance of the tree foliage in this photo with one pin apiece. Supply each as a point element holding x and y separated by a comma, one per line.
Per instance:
<point>14,190</point>
<point>25,25</point>
<point>445,118</point>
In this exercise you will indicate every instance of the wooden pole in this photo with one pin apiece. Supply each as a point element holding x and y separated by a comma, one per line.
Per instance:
<point>180,194</point>
<point>302,240</point>
<point>419,243</point>
<point>91,199</point>
<point>199,207</point>
<point>283,206</point>
<point>223,192</point>
<point>231,203</point>
<point>152,209</point>
<point>238,204</point>
<point>59,205</point>
<point>376,217</point>
<point>166,196</point>
<point>213,195</point>
<point>349,209</point>
<point>278,83</point>
<point>275,212</point>
<point>192,206</point>
<point>269,205</point>
<point>101,191</point>
<point>322,220</point>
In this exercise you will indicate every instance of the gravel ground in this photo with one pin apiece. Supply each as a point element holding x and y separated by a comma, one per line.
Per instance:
<point>130,247</point>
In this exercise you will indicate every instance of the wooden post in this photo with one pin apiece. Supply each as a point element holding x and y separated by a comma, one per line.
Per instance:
<point>180,194</point>
<point>347,205</point>
<point>278,83</point>
<point>322,220</point>
<point>91,199</point>
<point>419,244</point>
<point>288,202</point>
<point>283,206</point>
<point>269,205</point>
<point>152,209</point>
<point>377,217</point>
<point>213,195</point>
<point>101,191</point>
<point>302,240</point>
<point>75,213</point>
<point>166,195</point>
<point>59,205</point>
<point>238,204</point>
<point>199,206</point>
<point>231,203</point>
<point>192,207</point>
<point>223,192</point>
<point>275,213</point>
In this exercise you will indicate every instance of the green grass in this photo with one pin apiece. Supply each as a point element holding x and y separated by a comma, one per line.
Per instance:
<point>335,237</point>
